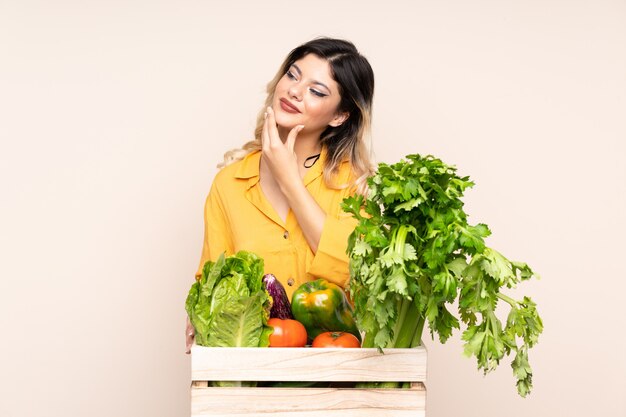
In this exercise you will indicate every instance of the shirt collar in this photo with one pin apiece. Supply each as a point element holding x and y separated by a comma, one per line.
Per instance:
<point>249,168</point>
<point>317,169</point>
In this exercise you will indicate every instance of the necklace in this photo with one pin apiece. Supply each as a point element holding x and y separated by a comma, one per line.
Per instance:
<point>312,158</point>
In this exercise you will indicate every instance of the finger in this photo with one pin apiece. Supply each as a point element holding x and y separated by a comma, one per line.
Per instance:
<point>265,141</point>
<point>272,128</point>
<point>291,138</point>
<point>189,337</point>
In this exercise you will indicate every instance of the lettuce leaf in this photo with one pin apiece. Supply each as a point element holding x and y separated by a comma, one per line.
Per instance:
<point>228,306</point>
<point>238,323</point>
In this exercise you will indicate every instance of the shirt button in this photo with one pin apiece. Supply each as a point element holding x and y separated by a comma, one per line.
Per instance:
<point>286,234</point>
<point>290,281</point>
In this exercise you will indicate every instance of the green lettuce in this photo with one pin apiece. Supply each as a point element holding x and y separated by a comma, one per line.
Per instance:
<point>229,306</point>
<point>238,324</point>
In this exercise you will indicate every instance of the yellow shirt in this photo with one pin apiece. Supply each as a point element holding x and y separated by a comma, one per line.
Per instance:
<point>237,216</point>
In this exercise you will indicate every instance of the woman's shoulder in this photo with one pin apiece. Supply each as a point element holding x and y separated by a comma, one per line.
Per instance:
<point>343,171</point>
<point>246,167</point>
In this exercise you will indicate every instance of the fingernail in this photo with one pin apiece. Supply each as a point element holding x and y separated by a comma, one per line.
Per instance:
<point>300,128</point>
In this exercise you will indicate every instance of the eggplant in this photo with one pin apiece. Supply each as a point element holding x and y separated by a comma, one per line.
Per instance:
<point>281,307</point>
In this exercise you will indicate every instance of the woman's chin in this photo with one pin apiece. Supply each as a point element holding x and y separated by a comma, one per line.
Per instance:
<point>284,123</point>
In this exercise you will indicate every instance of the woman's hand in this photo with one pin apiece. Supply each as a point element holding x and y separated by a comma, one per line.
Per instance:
<point>279,157</point>
<point>190,335</point>
<point>282,162</point>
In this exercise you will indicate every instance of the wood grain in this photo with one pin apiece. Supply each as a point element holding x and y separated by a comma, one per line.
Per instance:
<point>309,402</point>
<point>307,364</point>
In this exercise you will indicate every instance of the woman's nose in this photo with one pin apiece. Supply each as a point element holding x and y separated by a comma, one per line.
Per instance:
<point>295,92</point>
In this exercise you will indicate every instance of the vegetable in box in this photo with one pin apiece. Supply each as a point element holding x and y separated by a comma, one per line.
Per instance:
<point>413,253</point>
<point>229,306</point>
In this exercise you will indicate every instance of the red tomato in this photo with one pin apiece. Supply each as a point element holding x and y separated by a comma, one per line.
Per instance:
<point>336,339</point>
<point>287,333</point>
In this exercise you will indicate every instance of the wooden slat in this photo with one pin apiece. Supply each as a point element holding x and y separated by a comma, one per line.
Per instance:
<point>307,364</point>
<point>308,402</point>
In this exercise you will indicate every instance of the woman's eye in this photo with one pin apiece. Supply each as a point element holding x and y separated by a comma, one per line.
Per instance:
<point>290,75</point>
<point>317,93</point>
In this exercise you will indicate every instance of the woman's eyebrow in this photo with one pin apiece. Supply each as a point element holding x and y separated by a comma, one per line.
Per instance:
<point>314,81</point>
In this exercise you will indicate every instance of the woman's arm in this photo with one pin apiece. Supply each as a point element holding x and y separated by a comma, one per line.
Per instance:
<point>282,162</point>
<point>217,236</point>
<point>326,234</point>
<point>216,241</point>
<point>309,214</point>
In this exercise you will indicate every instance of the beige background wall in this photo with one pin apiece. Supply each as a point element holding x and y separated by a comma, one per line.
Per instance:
<point>113,115</point>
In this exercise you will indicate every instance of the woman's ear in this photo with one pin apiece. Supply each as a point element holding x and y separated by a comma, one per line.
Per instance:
<point>339,119</point>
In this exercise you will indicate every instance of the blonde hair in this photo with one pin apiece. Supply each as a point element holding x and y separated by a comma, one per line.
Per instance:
<point>351,141</point>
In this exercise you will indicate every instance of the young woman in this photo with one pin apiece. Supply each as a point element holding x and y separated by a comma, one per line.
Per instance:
<point>279,196</point>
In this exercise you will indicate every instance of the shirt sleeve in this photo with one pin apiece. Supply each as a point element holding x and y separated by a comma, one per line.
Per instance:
<point>331,260</point>
<point>217,237</point>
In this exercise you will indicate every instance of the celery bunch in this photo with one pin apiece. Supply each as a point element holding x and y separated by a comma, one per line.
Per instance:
<point>413,253</point>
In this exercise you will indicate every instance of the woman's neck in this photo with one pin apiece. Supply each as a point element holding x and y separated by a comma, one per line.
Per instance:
<point>307,144</point>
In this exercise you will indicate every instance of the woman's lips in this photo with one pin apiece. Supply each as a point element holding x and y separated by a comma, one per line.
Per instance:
<point>288,107</point>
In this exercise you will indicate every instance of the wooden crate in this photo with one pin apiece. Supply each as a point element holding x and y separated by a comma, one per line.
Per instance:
<point>307,364</point>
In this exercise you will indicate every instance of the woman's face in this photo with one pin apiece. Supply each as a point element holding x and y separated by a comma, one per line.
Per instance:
<point>307,95</point>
